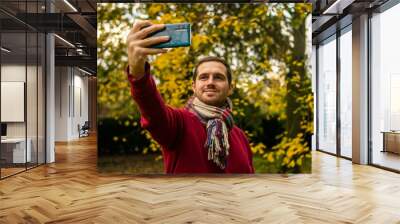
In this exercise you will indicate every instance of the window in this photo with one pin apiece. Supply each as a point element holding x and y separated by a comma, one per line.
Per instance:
<point>385,89</point>
<point>327,96</point>
<point>22,76</point>
<point>346,92</point>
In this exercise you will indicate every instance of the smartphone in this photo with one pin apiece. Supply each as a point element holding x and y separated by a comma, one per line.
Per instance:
<point>180,35</point>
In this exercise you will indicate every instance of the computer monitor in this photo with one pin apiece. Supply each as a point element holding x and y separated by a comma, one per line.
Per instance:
<point>3,129</point>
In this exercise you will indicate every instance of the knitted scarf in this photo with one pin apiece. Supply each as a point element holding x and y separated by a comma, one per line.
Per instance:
<point>219,122</point>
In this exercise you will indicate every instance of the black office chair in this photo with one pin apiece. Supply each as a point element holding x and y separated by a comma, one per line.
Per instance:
<point>84,130</point>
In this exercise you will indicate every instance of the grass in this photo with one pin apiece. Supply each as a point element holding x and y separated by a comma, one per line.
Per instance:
<point>130,164</point>
<point>261,166</point>
<point>146,164</point>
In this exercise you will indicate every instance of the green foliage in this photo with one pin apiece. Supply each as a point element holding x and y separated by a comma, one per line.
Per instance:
<point>265,45</point>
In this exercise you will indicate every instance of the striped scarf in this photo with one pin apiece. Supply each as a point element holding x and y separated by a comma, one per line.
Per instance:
<point>219,122</point>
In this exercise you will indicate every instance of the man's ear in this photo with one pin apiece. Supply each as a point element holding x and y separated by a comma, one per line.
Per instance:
<point>193,86</point>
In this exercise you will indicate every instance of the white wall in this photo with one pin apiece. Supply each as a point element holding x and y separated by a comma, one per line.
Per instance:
<point>61,103</point>
<point>12,73</point>
<point>71,101</point>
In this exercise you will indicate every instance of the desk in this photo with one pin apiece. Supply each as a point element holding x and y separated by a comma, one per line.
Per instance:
<point>16,147</point>
<point>391,141</point>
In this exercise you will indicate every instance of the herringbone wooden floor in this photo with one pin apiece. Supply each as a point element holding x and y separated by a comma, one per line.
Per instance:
<point>71,191</point>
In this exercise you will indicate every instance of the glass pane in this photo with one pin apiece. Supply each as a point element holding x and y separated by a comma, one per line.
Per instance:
<point>41,98</point>
<point>32,83</point>
<point>346,94</point>
<point>14,153</point>
<point>327,96</point>
<point>386,89</point>
<point>31,101</point>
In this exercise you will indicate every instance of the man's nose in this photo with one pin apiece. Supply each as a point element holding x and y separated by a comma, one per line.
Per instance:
<point>210,80</point>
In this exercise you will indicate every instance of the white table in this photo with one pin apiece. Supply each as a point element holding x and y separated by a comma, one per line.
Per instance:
<point>18,149</point>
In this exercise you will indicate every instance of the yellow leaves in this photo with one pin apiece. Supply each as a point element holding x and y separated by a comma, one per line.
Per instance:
<point>153,146</point>
<point>169,18</point>
<point>171,69</point>
<point>303,8</point>
<point>248,134</point>
<point>224,24</point>
<point>259,11</point>
<point>235,101</point>
<point>270,157</point>
<point>299,161</point>
<point>279,14</point>
<point>236,26</point>
<point>154,9</point>
<point>231,22</point>
<point>285,161</point>
<point>258,149</point>
<point>280,152</point>
<point>159,157</point>
<point>162,61</point>
<point>253,23</point>
<point>291,152</point>
<point>198,40</point>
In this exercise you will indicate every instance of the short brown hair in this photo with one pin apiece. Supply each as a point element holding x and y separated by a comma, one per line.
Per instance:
<point>217,59</point>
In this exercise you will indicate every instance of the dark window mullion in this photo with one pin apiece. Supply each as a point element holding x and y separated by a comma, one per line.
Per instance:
<point>369,89</point>
<point>26,87</point>
<point>37,90</point>
<point>316,97</point>
<point>45,87</point>
<point>338,91</point>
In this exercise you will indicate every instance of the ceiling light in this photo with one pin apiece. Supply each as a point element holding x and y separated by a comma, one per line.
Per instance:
<point>337,7</point>
<point>70,5</point>
<point>64,40</point>
<point>86,72</point>
<point>5,49</point>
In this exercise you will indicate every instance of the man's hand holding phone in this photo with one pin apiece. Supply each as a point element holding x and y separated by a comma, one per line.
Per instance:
<point>138,44</point>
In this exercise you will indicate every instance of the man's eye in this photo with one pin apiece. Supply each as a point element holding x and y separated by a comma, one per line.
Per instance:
<point>203,77</point>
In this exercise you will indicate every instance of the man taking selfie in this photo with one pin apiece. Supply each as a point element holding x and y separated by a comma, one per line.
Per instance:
<point>202,136</point>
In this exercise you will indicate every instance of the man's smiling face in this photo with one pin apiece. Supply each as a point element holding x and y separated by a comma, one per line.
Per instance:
<point>211,85</point>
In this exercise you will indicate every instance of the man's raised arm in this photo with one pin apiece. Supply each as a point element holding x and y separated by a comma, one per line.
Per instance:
<point>162,121</point>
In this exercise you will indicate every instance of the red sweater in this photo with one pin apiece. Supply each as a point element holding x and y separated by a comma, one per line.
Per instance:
<point>182,136</point>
